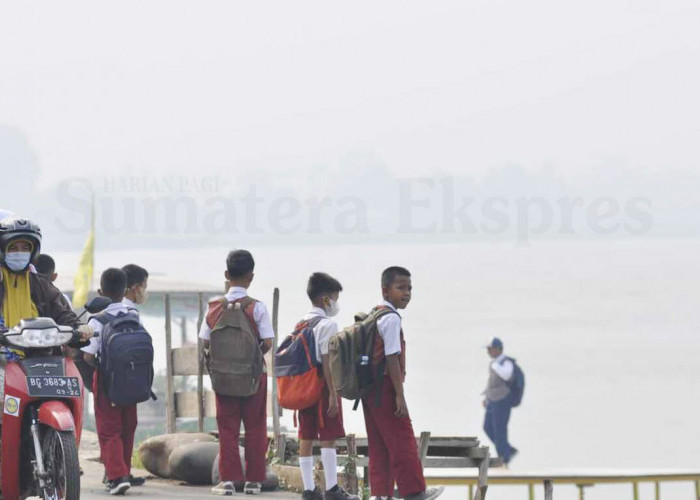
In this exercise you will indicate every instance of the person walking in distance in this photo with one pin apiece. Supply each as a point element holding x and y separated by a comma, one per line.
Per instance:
<point>498,399</point>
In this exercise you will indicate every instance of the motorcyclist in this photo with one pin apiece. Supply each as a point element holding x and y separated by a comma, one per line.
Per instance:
<point>24,294</point>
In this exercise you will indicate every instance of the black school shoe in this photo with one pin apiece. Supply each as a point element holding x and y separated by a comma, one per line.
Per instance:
<point>338,493</point>
<point>429,494</point>
<point>118,486</point>
<point>137,481</point>
<point>314,494</point>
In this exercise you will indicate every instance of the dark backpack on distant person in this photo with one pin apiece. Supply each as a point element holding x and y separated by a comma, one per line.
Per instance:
<point>126,359</point>
<point>235,359</point>
<point>350,356</point>
<point>516,384</point>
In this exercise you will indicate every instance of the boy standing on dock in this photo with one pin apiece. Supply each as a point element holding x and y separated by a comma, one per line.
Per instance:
<point>393,453</point>
<point>236,333</point>
<point>324,420</point>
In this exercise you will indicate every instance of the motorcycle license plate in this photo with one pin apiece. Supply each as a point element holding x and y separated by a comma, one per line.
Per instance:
<point>55,387</point>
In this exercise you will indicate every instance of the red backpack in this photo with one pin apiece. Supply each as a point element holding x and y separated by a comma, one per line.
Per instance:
<point>299,380</point>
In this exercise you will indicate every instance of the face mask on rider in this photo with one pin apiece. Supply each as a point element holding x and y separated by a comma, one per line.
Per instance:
<point>332,308</point>
<point>17,261</point>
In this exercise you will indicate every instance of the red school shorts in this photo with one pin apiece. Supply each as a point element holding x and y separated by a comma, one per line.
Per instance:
<point>314,426</point>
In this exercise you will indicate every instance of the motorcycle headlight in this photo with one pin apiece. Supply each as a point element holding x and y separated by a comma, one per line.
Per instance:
<point>39,333</point>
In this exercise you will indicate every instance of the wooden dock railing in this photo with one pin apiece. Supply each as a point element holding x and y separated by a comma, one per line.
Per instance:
<point>581,480</point>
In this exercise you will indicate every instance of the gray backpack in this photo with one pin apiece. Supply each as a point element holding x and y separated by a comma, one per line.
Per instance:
<point>352,353</point>
<point>235,359</point>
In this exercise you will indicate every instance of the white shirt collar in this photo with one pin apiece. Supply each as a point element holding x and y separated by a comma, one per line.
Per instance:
<point>389,304</point>
<point>237,290</point>
<point>318,312</point>
<point>115,306</point>
<point>500,358</point>
<point>129,303</point>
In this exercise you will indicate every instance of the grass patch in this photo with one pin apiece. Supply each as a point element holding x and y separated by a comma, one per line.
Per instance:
<point>136,459</point>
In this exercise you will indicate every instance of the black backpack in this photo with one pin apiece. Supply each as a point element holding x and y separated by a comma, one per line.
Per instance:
<point>126,359</point>
<point>516,384</point>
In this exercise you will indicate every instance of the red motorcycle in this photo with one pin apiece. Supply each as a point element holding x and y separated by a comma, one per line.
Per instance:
<point>42,414</point>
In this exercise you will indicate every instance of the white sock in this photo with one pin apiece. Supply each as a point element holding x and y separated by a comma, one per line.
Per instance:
<point>307,472</point>
<point>330,466</point>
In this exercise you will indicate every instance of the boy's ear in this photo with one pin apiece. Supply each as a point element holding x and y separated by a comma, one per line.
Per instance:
<point>385,290</point>
<point>228,278</point>
<point>99,292</point>
<point>53,277</point>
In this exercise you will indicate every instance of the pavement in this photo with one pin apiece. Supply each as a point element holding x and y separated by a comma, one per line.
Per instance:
<point>93,489</point>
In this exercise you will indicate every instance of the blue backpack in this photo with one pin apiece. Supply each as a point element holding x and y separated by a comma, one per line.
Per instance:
<point>299,380</point>
<point>516,384</point>
<point>126,359</point>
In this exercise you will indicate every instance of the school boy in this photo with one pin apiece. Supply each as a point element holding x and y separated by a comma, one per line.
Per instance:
<point>136,286</point>
<point>116,424</point>
<point>324,420</point>
<point>45,265</point>
<point>230,410</point>
<point>393,454</point>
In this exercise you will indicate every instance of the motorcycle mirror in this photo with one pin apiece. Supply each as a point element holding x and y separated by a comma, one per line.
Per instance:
<point>97,304</point>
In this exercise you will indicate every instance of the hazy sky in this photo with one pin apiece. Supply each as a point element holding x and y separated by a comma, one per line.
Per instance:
<point>457,87</point>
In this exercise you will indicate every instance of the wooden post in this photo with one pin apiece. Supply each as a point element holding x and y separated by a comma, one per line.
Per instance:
<point>471,492</point>
<point>548,490</point>
<point>183,331</point>
<point>276,410</point>
<point>200,366</point>
<point>423,446</point>
<point>483,477</point>
<point>697,490</point>
<point>365,481</point>
<point>581,493</point>
<point>635,491</point>
<point>281,447</point>
<point>657,490</point>
<point>170,397</point>
<point>531,491</point>
<point>352,484</point>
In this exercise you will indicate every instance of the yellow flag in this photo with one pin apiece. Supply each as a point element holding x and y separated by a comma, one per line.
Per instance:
<point>83,277</point>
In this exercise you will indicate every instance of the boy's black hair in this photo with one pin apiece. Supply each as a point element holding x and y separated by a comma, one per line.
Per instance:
<point>45,265</point>
<point>390,273</point>
<point>135,275</point>
<point>322,283</point>
<point>113,282</point>
<point>239,263</point>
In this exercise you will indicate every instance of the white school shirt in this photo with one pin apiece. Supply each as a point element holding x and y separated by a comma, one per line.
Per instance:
<point>389,327</point>
<point>129,304</point>
<point>260,314</point>
<point>503,369</point>
<point>113,309</point>
<point>323,331</point>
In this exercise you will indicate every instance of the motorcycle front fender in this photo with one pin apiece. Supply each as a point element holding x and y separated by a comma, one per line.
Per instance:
<point>56,414</point>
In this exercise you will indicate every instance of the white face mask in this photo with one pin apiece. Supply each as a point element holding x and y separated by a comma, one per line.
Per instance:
<point>17,261</point>
<point>333,308</point>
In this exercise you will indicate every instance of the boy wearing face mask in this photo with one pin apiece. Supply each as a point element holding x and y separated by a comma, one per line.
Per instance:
<point>136,286</point>
<point>324,420</point>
